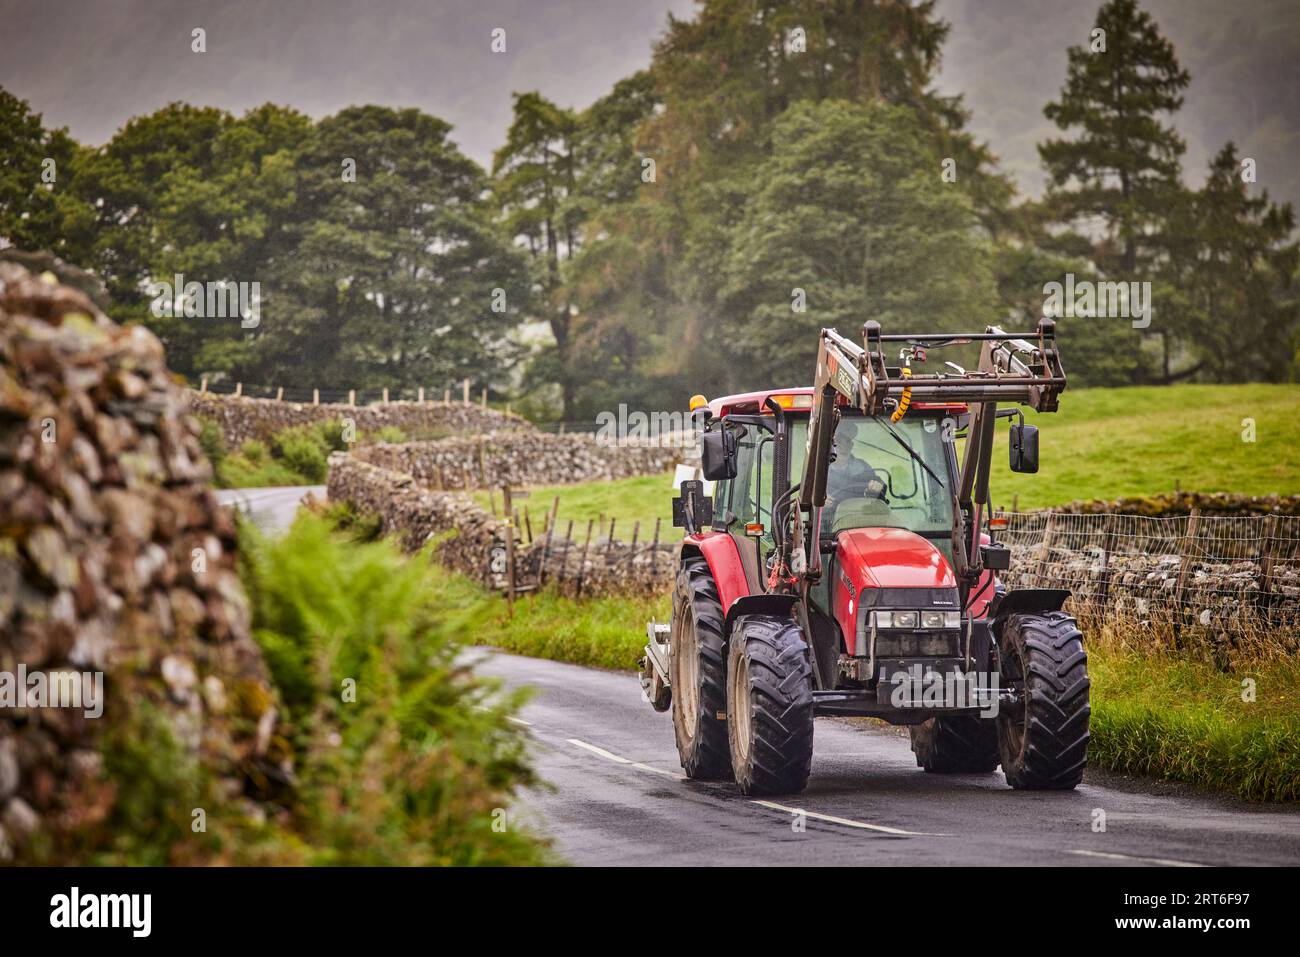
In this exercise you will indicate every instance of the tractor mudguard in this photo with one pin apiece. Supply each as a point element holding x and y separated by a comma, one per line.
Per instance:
<point>777,606</point>
<point>1032,600</point>
<point>719,550</point>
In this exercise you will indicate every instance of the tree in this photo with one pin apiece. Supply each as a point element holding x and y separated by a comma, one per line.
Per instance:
<point>847,220</point>
<point>397,277</point>
<point>39,208</point>
<point>1238,283</point>
<point>535,179</point>
<point>1123,166</point>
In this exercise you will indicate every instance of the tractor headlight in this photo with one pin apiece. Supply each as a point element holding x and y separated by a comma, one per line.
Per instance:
<point>906,619</point>
<point>932,619</point>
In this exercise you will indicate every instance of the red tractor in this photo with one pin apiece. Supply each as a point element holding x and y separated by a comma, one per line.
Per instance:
<point>845,565</point>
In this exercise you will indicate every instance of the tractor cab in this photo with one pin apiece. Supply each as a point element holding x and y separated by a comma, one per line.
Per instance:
<point>884,533</point>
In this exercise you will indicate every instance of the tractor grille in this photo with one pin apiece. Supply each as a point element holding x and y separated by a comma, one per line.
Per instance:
<point>921,644</point>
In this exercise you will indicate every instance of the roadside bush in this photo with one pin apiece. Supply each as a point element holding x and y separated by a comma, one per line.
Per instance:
<point>213,441</point>
<point>404,756</point>
<point>391,434</point>
<point>304,451</point>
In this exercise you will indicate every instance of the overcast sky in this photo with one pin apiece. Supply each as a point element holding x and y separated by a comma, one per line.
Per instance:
<point>92,64</point>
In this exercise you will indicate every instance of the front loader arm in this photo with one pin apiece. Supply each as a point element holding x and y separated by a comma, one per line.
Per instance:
<point>1023,368</point>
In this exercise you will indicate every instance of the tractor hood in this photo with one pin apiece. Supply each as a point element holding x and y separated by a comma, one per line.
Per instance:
<point>892,558</point>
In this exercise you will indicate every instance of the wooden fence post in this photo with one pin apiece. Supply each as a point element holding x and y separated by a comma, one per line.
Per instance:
<point>1193,526</point>
<point>239,388</point>
<point>203,386</point>
<point>546,551</point>
<point>421,394</point>
<point>1107,545</point>
<point>582,565</point>
<point>315,396</point>
<point>279,394</point>
<point>1267,560</point>
<point>1048,533</point>
<point>352,397</point>
<point>465,386</point>
<point>385,395</point>
<point>510,549</point>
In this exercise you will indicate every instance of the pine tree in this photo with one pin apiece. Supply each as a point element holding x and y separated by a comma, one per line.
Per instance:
<point>1239,286</point>
<point>1123,167</point>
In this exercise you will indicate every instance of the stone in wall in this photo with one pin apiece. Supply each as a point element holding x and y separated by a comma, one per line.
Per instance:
<point>116,560</point>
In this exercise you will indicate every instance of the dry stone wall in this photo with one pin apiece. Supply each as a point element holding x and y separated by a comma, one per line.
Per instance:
<point>516,459</point>
<point>242,418</point>
<point>117,569</point>
<point>471,541</point>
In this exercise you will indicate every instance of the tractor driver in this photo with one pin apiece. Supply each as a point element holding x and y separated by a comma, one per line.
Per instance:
<point>850,475</point>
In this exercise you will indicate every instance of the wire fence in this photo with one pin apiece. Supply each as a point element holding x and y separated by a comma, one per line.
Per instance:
<point>1223,572</point>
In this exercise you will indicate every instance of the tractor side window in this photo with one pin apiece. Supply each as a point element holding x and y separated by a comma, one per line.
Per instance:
<point>755,505</point>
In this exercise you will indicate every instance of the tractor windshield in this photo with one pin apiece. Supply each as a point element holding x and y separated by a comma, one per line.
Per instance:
<point>875,481</point>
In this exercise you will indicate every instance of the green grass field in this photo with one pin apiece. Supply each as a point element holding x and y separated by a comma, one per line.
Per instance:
<point>1109,443</point>
<point>628,501</point>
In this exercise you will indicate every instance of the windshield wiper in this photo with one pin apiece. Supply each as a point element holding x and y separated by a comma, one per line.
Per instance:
<point>911,451</point>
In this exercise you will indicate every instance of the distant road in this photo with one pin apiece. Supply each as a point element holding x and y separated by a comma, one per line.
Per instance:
<point>619,798</point>
<point>271,509</point>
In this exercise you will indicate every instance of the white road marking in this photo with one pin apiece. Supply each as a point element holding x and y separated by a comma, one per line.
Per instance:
<point>1128,857</point>
<point>844,821</point>
<point>511,718</point>
<point>618,759</point>
<point>607,755</point>
<point>675,775</point>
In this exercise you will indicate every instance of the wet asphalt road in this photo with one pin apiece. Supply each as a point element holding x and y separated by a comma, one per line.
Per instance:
<point>617,797</point>
<point>271,509</point>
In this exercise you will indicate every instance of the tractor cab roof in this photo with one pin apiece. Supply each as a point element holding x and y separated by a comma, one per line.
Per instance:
<point>801,400</point>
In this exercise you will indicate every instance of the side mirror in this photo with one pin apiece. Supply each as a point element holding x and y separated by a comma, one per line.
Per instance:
<point>718,455</point>
<point>1024,448</point>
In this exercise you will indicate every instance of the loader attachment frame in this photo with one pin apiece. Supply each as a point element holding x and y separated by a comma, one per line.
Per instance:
<point>1020,368</point>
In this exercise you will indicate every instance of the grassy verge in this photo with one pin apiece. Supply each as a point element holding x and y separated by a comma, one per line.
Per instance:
<point>600,632</point>
<point>1153,713</point>
<point>1166,717</point>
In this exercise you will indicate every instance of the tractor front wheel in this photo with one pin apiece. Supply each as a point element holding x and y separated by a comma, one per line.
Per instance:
<point>698,666</point>
<point>959,744</point>
<point>769,706</point>
<point>1043,736</point>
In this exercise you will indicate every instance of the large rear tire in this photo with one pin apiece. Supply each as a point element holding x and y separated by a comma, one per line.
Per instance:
<point>769,706</point>
<point>698,666</point>
<point>1043,741</point>
<point>958,744</point>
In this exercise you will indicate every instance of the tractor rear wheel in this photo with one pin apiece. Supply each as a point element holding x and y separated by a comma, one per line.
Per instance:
<point>958,744</point>
<point>697,663</point>
<point>769,705</point>
<point>1043,737</point>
